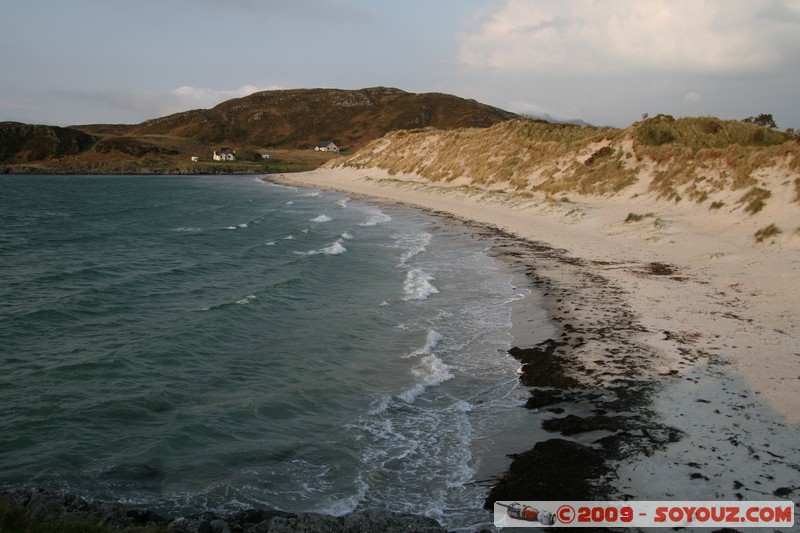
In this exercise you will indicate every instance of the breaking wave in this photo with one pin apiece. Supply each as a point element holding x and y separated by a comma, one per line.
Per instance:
<point>335,248</point>
<point>375,217</point>
<point>418,286</point>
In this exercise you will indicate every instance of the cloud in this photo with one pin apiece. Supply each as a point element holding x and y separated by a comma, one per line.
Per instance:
<point>691,98</point>
<point>535,110</point>
<point>131,106</point>
<point>610,36</point>
<point>187,97</point>
<point>323,11</point>
<point>527,108</point>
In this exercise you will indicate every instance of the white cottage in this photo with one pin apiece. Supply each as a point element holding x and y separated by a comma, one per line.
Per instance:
<point>326,146</point>
<point>224,155</point>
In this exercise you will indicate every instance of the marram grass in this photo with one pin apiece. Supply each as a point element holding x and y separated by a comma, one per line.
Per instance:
<point>693,159</point>
<point>767,232</point>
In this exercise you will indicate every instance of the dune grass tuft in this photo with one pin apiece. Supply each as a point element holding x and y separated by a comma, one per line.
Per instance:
<point>767,232</point>
<point>636,217</point>
<point>755,200</point>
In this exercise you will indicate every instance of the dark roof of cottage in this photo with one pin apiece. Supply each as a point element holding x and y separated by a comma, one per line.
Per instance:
<point>324,143</point>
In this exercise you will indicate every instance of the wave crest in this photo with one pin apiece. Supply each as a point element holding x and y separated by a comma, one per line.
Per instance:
<point>418,286</point>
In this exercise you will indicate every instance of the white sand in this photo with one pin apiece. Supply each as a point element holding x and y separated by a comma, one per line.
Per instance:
<point>730,299</point>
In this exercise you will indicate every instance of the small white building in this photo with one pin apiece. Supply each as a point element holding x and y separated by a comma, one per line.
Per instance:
<point>326,146</point>
<point>195,159</point>
<point>224,155</point>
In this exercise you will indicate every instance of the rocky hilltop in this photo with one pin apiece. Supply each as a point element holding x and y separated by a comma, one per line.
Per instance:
<point>301,118</point>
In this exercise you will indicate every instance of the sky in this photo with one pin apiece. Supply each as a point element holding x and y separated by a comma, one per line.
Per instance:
<point>607,62</point>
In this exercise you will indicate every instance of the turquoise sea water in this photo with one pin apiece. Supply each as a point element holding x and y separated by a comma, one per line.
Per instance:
<point>196,343</point>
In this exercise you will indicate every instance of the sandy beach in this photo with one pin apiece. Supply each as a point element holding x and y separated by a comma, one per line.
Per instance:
<point>678,320</point>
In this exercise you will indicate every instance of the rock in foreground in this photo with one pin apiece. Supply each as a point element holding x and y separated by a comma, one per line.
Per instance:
<point>22,510</point>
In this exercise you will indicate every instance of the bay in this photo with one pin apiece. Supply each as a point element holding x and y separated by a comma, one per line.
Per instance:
<point>196,343</point>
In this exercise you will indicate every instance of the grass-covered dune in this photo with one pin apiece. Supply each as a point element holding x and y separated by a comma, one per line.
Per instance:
<point>701,159</point>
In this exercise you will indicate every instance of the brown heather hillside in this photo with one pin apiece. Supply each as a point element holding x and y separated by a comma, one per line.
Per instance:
<point>301,118</point>
<point>287,124</point>
<point>722,165</point>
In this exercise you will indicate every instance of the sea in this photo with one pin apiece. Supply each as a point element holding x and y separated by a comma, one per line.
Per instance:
<point>214,343</point>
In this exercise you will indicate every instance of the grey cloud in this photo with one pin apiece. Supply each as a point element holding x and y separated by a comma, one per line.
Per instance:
<point>308,10</point>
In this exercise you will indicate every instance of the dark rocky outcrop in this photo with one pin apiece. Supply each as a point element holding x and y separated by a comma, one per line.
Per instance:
<point>24,143</point>
<point>283,522</point>
<point>26,510</point>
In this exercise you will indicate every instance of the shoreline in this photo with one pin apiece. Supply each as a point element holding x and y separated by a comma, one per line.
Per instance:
<point>643,389</point>
<point>676,371</point>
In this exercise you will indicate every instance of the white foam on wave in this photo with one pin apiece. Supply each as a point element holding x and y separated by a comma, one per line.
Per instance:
<point>430,371</point>
<point>321,218</point>
<point>408,447</point>
<point>242,225</point>
<point>347,236</point>
<point>418,286</point>
<point>313,194</point>
<point>241,301</point>
<point>343,202</point>
<point>269,243</point>
<point>187,229</point>
<point>432,339</point>
<point>246,300</point>
<point>335,248</point>
<point>380,405</point>
<point>414,243</point>
<point>375,217</point>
